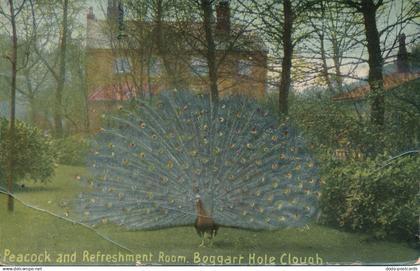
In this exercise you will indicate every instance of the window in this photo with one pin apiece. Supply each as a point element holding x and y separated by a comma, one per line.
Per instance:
<point>67,76</point>
<point>244,67</point>
<point>155,67</point>
<point>122,65</point>
<point>199,66</point>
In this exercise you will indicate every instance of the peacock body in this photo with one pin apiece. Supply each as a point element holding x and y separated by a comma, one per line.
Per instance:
<point>247,171</point>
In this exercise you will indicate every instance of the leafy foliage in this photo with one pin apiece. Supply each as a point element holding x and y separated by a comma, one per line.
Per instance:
<point>402,131</point>
<point>357,195</point>
<point>34,154</point>
<point>72,150</point>
<point>331,125</point>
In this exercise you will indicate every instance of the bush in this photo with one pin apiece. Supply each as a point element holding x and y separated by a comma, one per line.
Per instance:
<point>359,196</point>
<point>330,125</point>
<point>355,196</point>
<point>71,150</point>
<point>34,156</point>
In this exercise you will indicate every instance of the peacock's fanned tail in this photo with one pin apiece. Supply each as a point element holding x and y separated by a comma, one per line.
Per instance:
<point>249,171</point>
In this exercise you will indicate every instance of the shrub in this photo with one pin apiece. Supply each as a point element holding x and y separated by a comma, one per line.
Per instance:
<point>34,156</point>
<point>325,123</point>
<point>359,196</point>
<point>71,150</point>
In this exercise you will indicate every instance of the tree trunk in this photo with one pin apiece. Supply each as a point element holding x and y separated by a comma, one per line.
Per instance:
<point>30,96</point>
<point>58,109</point>
<point>321,35</point>
<point>336,59</point>
<point>149,76</point>
<point>141,77</point>
<point>324,63</point>
<point>207,9</point>
<point>286,65</point>
<point>403,64</point>
<point>85,93</point>
<point>32,109</point>
<point>375,63</point>
<point>163,50</point>
<point>12,121</point>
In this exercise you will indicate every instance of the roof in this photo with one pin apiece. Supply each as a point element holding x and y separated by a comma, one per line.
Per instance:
<point>116,92</point>
<point>390,82</point>
<point>100,35</point>
<point>113,92</point>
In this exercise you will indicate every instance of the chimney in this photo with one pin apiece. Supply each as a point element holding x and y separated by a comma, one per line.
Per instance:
<point>111,11</point>
<point>115,10</point>
<point>115,15</point>
<point>402,56</point>
<point>90,15</point>
<point>223,18</point>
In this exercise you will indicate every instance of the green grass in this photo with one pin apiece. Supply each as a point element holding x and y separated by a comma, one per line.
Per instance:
<point>28,230</point>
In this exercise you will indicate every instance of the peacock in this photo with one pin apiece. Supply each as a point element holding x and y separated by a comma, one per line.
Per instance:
<point>183,160</point>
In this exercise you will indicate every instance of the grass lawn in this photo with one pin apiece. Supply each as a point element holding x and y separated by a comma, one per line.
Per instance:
<point>28,230</point>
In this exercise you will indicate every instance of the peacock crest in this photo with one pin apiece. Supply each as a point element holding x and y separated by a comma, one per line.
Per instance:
<point>249,171</point>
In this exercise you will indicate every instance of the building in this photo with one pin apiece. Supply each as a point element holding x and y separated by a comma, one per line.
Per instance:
<point>401,72</point>
<point>126,59</point>
<point>391,81</point>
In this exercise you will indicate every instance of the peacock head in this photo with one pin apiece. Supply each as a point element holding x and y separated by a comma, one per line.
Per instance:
<point>200,206</point>
<point>197,198</point>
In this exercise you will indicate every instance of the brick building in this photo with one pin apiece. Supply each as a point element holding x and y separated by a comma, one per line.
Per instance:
<point>132,58</point>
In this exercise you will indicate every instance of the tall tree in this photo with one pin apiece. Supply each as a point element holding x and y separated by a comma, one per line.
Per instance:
<point>148,28</point>
<point>216,36</point>
<point>48,15</point>
<point>13,58</point>
<point>207,10</point>
<point>58,106</point>
<point>33,73</point>
<point>282,23</point>
<point>286,65</point>
<point>334,50</point>
<point>165,41</point>
<point>369,9</point>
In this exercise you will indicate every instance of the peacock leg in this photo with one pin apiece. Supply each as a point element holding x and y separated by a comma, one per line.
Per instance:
<point>203,240</point>
<point>210,241</point>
